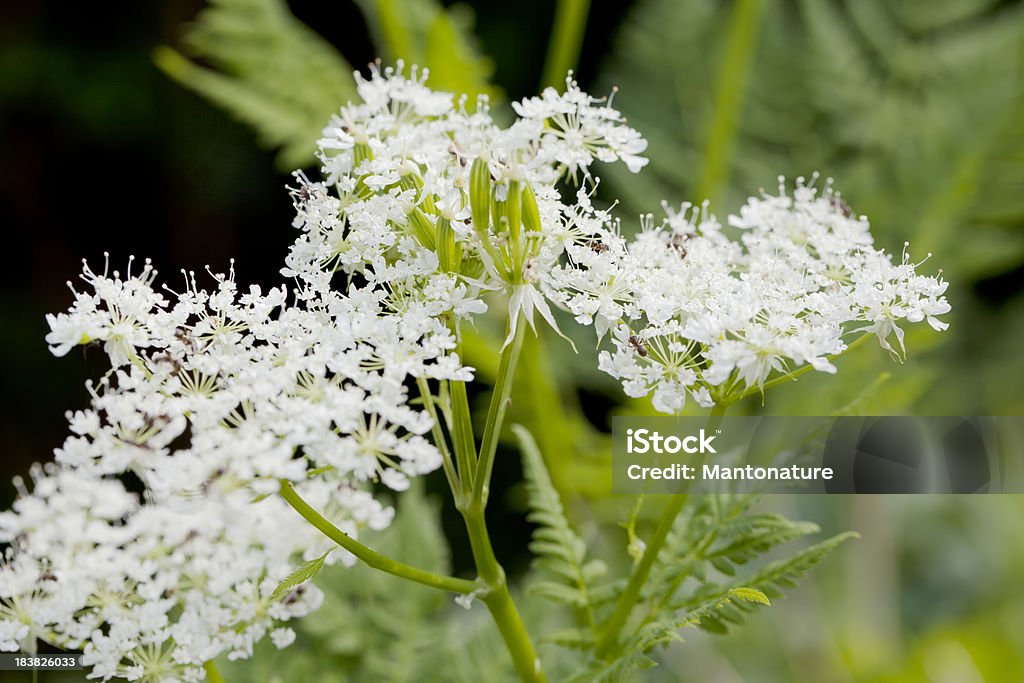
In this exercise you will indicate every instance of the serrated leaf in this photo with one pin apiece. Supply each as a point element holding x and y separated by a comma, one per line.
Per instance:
<point>557,592</point>
<point>574,638</point>
<point>712,625</point>
<point>305,572</point>
<point>268,69</point>
<point>750,595</point>
<point>724,566</point>
<point>560,551</point>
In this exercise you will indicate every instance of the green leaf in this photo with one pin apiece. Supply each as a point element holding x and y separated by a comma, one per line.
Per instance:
<point>784,573</point>
<point>305,572</point>
<point>573,638</point>
<point>750,595</point>
<point>267,69</point>
<point>559,550</point>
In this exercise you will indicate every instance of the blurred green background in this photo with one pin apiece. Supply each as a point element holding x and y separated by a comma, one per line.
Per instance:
<point>915,108</point>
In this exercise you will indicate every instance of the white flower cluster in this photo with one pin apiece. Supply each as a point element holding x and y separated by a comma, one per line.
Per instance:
<point>154,543</point>
<point>212,399</point>
<point>147,591</point>
<point>220,390</point>
<point>694,312</point>
<point>437,204</point>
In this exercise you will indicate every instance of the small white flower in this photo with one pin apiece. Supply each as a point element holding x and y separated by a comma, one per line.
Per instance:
<point>282,637</point>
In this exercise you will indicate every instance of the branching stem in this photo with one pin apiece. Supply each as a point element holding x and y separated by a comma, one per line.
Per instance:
<point>370,556</point>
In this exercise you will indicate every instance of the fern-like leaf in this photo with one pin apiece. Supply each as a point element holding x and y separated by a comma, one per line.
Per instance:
<point>267,69</point>
<point>559,550</point>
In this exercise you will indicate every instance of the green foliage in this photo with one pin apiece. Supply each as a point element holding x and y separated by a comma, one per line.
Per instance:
<point>559,551</point>
<point>709,541</point>
<point>267,69</point>
<point>305,572</point>
<point>424,32</point>
<point>716,536</point>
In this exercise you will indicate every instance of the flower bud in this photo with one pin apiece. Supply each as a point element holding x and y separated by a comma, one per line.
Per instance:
<point>480,194</point>
<point>449,252</point>
<point>531,214</point>
<point>514,210</point>
<point>421,227</point>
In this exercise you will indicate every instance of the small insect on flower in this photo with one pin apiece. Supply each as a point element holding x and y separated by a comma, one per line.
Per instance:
<point>295,595</point>
<point>168,359</point>
<point>597,245</point>
<point>677,243</point>
<point>841,206</point>
<point>182,335</point>
<point>638,345</point>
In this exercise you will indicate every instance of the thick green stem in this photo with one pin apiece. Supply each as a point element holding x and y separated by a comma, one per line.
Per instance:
<point>370,556</point>
<point>566,40</point>
<point>212,673</point>
<point>499,600</point>
<point>496,594</point>
<point>496,416</point>
<point>608,635</point>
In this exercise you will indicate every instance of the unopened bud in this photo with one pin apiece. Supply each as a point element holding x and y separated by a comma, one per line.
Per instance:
<point>480,194</point>
<point>531,214</point>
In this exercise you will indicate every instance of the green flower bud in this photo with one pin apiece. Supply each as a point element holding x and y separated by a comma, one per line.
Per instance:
<point>480,194</point>
<point>421,227</point>
<point>449,252</point>
<point>514,210</point>
<point>412,181</point>
<point>360,153</point>
<point>531,214</point>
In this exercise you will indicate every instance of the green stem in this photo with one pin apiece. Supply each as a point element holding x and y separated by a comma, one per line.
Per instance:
<point>212,673</point>
<point>499,600</point>
<point>497,596</point>
<point>732,80</point>
<point>496,415</point>
<point>607,637</point>
<point>566,40</point>
<point>462,433</point>
<point>372,557</point>
<point>439,440</point>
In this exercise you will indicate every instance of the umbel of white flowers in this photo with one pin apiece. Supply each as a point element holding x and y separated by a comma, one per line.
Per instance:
<point>424,211</point>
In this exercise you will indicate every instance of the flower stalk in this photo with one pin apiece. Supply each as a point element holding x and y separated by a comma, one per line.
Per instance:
<point>370,556</point>
<point>498,598</point>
